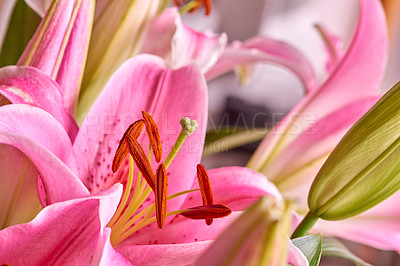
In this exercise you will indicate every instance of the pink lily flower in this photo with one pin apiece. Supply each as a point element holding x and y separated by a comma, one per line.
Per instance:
<point>77,184</point>
<point>291,155</point>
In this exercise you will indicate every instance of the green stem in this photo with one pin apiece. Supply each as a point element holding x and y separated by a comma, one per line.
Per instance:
<point>308,222</point>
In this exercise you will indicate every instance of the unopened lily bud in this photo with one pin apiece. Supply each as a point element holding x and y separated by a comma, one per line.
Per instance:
<point>363,170</point>
<point>258,237</point>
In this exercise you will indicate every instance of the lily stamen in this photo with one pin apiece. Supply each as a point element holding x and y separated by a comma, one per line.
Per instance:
<point>129,216</point>
<point>141,161</point>
<point>134,131</point>
<point>207,211</point>
<point>205,188</point>
<point>153,134</point>
<point>161,195</point>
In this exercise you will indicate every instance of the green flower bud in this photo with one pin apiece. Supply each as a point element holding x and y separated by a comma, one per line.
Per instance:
<point>364,168</point>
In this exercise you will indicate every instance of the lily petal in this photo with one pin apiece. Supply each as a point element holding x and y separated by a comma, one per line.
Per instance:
<point>192,46</point>
<point>19,202</point>
<point>68,232</point>
<point>59,46</point>
<point>357,75</point>
<point>295,256</point>
<point>118,32</point>
<point>110,256</point>
<point>48,148</point>
<point>265,50</point>
<point>161,92</point>
<point>30,86</point>
<point>165,254</point>
<point>70,72</point>
<point>162,29</point>
<point>181,45</point>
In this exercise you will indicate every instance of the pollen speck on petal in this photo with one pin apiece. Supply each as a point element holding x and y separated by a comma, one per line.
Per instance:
<point>161,195</point>
<point>153,134</point>
<point>134,131</point>
<point>141,161</point>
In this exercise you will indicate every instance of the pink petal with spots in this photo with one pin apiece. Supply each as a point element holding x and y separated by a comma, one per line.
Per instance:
<point>358,75</point>
<point>45,143</point>
<point>143,83</point>
<point>65,233</point>
<point>265,50</point>
<point>59,45</point>
<point>235,187</point>
<point>30,86</point>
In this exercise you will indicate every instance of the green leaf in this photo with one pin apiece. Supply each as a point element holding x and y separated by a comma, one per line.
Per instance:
<point>332,247</point>
<point>228,138</point>
<point>311,246</point>
<point>23,24</point>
